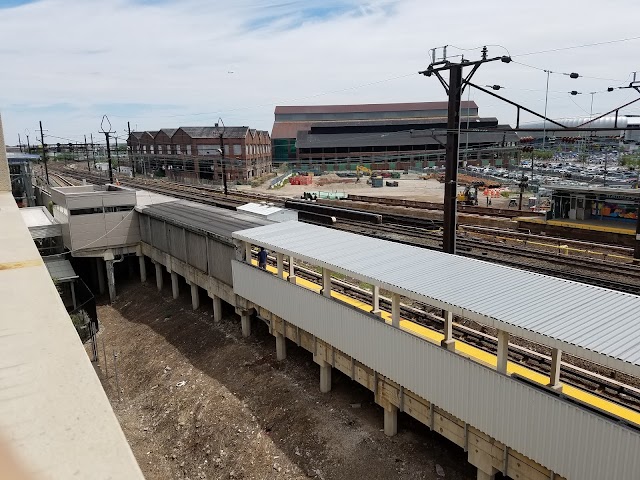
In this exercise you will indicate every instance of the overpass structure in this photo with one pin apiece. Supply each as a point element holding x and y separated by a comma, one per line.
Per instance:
<point>55,419</point>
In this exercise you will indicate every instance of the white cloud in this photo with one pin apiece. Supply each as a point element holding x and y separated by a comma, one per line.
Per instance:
<point>68,62</point>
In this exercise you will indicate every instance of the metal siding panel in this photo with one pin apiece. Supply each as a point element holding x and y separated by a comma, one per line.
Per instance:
<point>176,242</point>
<point>197,251</point>
<point>220,257</point>
<point>159,235</point>
<point>145,228</point>
<point>530,421</point>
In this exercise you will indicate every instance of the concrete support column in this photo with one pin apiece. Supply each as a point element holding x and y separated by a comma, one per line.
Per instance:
<point>326,282</point>
<point>100,270</point>
<point>217,309</point>
<point>448,342</point>
<point>485,476</point>
<point>325,377</point>
<point>175,287</point>
<point>292,271</point>
<point>143,269</point>
<point>281,346</point>
<point>390,420</point>
<point>280,264</point>
<point>245,323</point>
<point>503,351</point>
<point>73,295</point>
<point>159,278</point>
<point>395,310</point>
<point>375,301</point>
<point>554,377</point>
<point>247,252</point>
<point>195,296</point>
<point>111,280</point>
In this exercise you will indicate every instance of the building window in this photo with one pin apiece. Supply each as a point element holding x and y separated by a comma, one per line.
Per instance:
<point>85,211</point>
<point>237,149</point>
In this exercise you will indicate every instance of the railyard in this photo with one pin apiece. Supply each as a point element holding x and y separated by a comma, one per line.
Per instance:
<point>610,390</point>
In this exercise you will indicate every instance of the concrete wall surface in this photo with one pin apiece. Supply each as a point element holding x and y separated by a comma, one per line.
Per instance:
<point>54,413</point>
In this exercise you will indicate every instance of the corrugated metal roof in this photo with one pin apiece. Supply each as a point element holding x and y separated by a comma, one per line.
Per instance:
<point>369,107</point>
<point>167,131</point>
<point>214,132</point>
<point>405,137</point>
<point>594,323</point>
<point>288,129</point>
<point>259,209</point>
<point>202,218</point>
<point>626,192</point>
<point>40,222</point>
<point>59,268</point>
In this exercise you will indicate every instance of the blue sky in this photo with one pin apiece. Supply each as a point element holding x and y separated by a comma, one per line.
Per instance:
<point>162,63</point>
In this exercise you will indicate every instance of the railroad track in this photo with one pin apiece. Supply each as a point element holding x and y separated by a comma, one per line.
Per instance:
<point>601,384</point>
<point>613,275</point>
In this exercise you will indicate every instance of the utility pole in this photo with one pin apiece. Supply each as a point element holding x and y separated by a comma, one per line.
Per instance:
<point>106,136</point>
<point>131,161</point>
<point>117,154</point>
<point>86,153</point>
<point>93,151</point>
<point>44,154</point>
<point>20,143</point>
<point>28,144</point>
<point>454,89</point>
<point>224,169</point>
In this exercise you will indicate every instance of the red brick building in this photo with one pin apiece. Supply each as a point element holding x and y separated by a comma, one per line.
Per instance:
<point>195,151</point>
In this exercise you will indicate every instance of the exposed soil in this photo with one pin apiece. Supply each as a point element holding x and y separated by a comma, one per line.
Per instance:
<point>200,402</point>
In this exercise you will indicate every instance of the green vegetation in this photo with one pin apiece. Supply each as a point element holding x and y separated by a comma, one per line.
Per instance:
<point>543,154</point>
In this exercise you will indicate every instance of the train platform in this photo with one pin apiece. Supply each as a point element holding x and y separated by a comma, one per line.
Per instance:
<point>504,399</point>
<point>612,226</point>
<point>475,353</point>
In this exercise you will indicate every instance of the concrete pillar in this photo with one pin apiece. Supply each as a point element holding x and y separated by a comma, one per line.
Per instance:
<point>325,377</point>
<point>503,351</point>
<point>395,310</point>
<point>485,476</point>
<point>391,420</point>
<point>247,252</point>
<point>143,269</point>
<point>111,280</point>
<point>448,342</point>
<point>73,295</point>
<point>280,264</point>
<point>195,296</point>
<point>554,377</point>
<point>159,278</point>
<point>217,309</point>
<point>175,287</point>
<point>100,270</point>
<point>281,346</point>
<point>326,282</point>
<point>245,323</point>
<point>292,271</point>
<point>375,303</point>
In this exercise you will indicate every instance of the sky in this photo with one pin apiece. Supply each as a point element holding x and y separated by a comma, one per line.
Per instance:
<point>161,63</point>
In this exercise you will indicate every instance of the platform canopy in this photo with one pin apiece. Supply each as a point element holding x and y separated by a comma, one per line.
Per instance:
<point>591,322</point>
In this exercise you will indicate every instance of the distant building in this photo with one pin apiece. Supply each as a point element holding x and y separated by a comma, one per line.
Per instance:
<point>194,152</point>
<point>381,136</point>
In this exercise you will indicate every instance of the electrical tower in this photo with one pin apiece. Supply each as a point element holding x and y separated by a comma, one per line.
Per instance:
<point>454,88</point>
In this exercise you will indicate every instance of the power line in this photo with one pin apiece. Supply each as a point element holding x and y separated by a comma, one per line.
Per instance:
<point>577,46</point>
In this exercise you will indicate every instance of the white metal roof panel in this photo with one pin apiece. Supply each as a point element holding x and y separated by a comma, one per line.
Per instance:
<point>259,209</point>
<point>594,323</point>
<point>59,268</point>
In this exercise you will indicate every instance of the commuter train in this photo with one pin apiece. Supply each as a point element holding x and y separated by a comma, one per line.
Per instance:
<point>629,123</point>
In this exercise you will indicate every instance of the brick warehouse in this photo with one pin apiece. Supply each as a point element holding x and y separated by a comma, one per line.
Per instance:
<point>194,152</point>
<point>382,136</point>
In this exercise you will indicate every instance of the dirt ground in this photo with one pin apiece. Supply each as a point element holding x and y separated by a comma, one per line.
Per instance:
<point>409,187</point>
<point>197,401</point>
